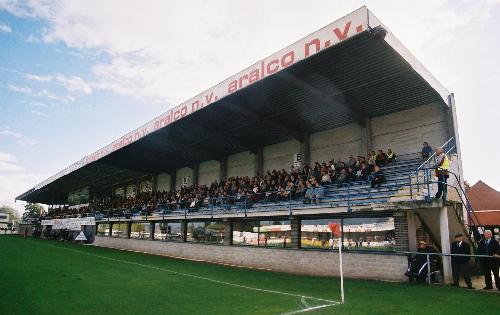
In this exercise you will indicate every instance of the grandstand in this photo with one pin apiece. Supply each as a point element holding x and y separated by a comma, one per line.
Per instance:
<point>236,165</point>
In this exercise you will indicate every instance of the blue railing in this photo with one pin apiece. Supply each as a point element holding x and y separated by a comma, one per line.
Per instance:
<point>426,167</point>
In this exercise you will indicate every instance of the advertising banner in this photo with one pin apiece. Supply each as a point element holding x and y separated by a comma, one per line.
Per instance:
<point>73,224</point>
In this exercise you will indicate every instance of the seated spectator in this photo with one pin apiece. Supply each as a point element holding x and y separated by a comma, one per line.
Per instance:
<point>391,157</point>
<point>363,172</point>
<point>343,176</point>
<point>378,177</point>
<point>325,179</point>
<point>351,175</point>
<point>352,161</point>
<point>318,192</point>
<point>426,151</point>
<point>301,189</point>
<point>309,195</point>
<point>371,160</point>
<point>381,158</point>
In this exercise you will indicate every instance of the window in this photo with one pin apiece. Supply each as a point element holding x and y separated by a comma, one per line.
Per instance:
<point>168,231</point>
<point>195,232</point>
<point>103,229</point>
<point>369,234</point>
<point>214,232</point>
<point>320,233</point>
<point>246,232</point>
<point>140,230</point>
<point>275,233</point>
<point>120,230</point>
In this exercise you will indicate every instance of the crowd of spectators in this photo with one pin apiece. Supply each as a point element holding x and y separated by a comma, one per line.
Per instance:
<point>298,183</point>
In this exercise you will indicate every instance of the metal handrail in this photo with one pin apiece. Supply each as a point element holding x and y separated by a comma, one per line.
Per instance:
<point>431,157</point>
<point>466,202</point>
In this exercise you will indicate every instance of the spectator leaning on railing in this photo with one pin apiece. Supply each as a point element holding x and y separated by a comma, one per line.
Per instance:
<point>442,172</point>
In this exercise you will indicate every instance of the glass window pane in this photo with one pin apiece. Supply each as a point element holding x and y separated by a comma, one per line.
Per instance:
<point>369,233</point>
<point>103,229</point>
<point>246,232</point>
<point>275,233</point>
<point>140,230</point>
<point>196,232</point>
<point>320,233</point>
<point>168,231</point>
<point>120,230</point>
<point>214,232</point>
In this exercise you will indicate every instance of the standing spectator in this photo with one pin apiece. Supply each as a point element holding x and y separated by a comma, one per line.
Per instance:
<point>442,168</point>
<point>378,177</point>
<point>381,158</point>
<point>426,151</point>
<point>459,264</point>
<point>489,247</point>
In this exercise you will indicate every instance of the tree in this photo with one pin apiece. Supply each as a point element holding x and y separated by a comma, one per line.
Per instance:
<point>32,210</point>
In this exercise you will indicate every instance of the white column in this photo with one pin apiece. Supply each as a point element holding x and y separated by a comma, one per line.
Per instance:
<point>445,243</point>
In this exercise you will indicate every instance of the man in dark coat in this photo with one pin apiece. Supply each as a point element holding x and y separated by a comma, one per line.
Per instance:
<point>490,247</point>
<point>460,264</point>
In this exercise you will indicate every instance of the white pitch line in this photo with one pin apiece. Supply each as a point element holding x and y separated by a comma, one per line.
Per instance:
<point>209,279</point>
<point>304,310</point>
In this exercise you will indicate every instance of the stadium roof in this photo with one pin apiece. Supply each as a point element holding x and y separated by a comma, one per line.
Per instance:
<point>350,70</point>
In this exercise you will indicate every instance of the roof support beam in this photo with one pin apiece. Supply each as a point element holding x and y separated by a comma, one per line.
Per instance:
<point>228,137</point>
<point>186,150</point>
<point>269,122</point>
<point>328,98</point>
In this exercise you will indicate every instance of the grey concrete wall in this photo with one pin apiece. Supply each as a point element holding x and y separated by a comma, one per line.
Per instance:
<point>316,263</point>
<point>405,131</point>
<point>241,164</point>
<point>209,172</point>
<point>163,182</point>
<point>336,143</point>
<point>280,155</point>
<point>180,174</point>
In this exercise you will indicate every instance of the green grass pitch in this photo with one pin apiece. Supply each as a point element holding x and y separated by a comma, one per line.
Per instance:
<point>45,277</point>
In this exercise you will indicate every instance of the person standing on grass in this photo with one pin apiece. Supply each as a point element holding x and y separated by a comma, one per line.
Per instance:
<point>459,264</point>
<point>490,247</point>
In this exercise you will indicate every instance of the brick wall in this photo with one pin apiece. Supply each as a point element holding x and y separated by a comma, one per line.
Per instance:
<point>316,263</point>
<point>401,232</point>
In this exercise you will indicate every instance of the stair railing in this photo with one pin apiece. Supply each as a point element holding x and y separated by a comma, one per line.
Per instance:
<point>425,167</point>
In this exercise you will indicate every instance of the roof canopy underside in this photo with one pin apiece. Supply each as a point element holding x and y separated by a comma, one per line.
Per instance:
<point>361,77</point>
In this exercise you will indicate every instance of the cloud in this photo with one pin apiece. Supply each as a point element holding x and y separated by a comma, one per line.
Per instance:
<point>38,113</point>
<point>20,89</point>
<point>40,78</point>
<point>168,54</point>
<point>38,104</point>
<point>14,179</point>
<point>9,164</point>
<point>5,28</point>
<point>71,84</point>
<point>17,137</point>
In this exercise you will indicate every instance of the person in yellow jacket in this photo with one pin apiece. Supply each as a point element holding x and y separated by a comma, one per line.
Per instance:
<point>442,172</point>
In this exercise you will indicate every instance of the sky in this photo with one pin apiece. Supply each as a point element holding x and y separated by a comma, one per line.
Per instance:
<point>76,75</point>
